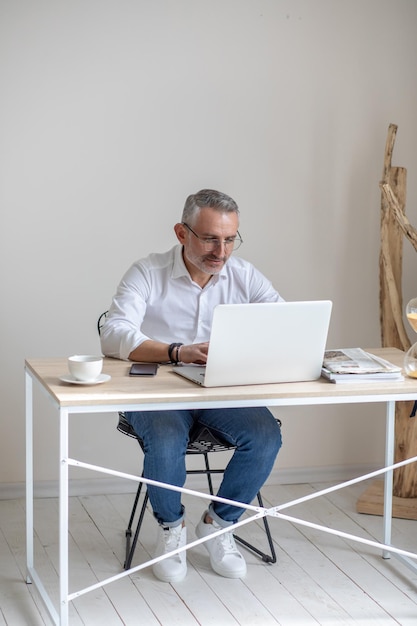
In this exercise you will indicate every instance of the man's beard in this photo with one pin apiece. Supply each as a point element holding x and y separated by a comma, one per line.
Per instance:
<point>209,263</point>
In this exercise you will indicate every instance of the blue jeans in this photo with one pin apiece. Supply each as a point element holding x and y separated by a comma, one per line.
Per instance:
<point>254,431</point>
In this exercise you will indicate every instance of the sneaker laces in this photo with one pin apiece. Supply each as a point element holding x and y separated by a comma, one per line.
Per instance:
<point>226,542</point>
<point>171,538</point>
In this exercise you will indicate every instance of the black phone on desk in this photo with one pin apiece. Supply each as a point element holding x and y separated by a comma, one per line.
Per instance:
<point>143,369</point>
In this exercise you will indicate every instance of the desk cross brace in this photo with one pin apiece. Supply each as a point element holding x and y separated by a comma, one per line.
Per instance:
<point>259,513</point>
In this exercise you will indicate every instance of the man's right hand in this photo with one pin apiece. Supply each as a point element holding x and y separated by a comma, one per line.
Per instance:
<point>194,353</point>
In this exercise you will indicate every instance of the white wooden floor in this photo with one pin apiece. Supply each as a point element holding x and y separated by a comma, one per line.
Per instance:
<point>318,579</point>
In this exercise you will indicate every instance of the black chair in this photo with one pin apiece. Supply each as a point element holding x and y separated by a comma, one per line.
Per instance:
<point>202,442</point>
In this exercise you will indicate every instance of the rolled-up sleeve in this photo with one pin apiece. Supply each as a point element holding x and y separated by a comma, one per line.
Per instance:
<point>121,332</point>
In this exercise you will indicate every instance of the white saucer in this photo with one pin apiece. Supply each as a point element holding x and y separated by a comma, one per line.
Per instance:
<point>103,378</point>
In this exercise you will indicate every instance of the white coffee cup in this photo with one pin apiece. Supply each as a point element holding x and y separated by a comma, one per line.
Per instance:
<point>84,367</point>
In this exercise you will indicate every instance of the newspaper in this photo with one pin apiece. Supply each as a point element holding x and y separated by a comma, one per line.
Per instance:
<point>356,361</point>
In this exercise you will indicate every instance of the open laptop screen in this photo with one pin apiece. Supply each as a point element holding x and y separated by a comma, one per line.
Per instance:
<point>264,343</point>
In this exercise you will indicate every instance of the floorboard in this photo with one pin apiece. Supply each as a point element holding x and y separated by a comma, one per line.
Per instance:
<point>319,578</point>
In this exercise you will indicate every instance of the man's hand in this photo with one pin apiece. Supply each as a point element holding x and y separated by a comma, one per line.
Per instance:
<point>194,353</point>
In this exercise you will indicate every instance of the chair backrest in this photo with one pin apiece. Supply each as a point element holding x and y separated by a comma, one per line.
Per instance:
<point>101,321</point>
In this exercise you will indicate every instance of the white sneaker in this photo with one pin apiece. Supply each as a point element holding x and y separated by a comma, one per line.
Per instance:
<point>174,568</point>
<point>225,558</point>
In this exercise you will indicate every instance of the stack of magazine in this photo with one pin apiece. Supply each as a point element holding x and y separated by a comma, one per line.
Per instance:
<point>352,365</point>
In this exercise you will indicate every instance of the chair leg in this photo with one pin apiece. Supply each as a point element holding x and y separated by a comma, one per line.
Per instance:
<point>131,547</point>
<point>208,472</point>
<point>267,558</point>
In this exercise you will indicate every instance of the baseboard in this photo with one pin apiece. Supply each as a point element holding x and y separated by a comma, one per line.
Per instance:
<point>105,486</point>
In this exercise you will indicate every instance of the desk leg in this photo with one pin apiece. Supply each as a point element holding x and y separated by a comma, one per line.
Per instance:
<point>29,475</point>
<point>63,516</point>
<point>388,482</point>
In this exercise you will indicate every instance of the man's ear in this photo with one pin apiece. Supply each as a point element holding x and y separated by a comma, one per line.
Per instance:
<point>180,231</point>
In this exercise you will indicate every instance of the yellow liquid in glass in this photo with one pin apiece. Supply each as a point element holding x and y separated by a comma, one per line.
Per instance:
<point>412,318</point>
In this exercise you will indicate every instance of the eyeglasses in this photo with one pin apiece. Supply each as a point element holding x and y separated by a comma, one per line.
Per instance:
<point>210,243</point>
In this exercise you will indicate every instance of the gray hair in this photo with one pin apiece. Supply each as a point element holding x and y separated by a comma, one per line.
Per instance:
<point>207,198</point>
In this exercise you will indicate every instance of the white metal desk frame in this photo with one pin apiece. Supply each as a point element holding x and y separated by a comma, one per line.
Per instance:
<point>61,616</point>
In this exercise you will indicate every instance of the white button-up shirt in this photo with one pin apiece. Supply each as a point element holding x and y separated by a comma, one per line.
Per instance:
<point>157,299</point>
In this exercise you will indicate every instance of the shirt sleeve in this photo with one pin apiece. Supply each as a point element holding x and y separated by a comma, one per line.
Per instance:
<point>121,332</point>
<point>267,293</point>
<point>261,288</point>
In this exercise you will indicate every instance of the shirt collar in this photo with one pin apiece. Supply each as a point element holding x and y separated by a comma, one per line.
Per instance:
<point>179,269</point>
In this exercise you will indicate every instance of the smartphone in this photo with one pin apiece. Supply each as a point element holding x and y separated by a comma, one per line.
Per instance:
<point>143,369</point>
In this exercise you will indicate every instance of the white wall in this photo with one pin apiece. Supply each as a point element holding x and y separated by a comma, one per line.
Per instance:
<point>113,111</point>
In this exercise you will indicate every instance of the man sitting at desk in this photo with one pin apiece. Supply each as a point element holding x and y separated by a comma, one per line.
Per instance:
<point>162,311</point>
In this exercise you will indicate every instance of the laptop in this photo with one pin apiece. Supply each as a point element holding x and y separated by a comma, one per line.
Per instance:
<point>259,343</point>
